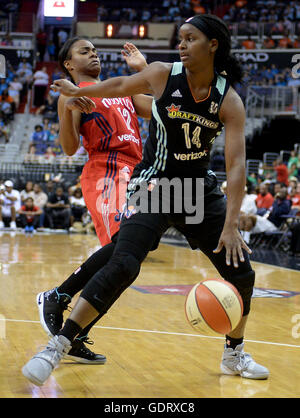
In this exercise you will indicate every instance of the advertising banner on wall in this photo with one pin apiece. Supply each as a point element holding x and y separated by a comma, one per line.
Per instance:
<point>252,58</point>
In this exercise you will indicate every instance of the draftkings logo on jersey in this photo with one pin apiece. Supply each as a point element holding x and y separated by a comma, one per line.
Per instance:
<point>174,112</point>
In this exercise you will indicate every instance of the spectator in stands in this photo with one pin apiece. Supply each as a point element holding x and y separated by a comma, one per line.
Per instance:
<point>281,206</point>
<point>3,85</point>
<point>249,43</point>
<point>57,74</point>
<point>7,107</point>
<point>49,188</point>
<point>39,139</point>
<point>293,171</point>
<point>10,203</point>
<point>46,127</point>
<point>53,135</point>
<point>14,90</point>
<point>264,200</point>
<point>40,84</point>
<point>25,77</point>
<point>29,215</point>
<point>281,170</point>
<point>7,40</point>
<point>51,49</point>
<point>31,156</point>
<point>254,224</point>
<point>48,157</point>
<point>41,43</point>
<point>296,43</point>
<point>49,107</point>
<point>293,159</point>
<point>24,64</point>
<point>62,37</point>
<point>269,43</point>
<point>75,186</point>
<point>285,42</point>
<point>40,199</point>
<point>276,188</point>
<point>56,147</point>
<point>58,209</point>
<point>249,203</point>
<point>27,192</point>
<point>294,197</point>
<point>252,179</point>
<point>78,207</point>
<point>4,131</point>
<point>102,13</point>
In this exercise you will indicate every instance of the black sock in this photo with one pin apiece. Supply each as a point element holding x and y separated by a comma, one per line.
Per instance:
<point>70,330</point>
<point>233,342</point>
<point>86,271</point>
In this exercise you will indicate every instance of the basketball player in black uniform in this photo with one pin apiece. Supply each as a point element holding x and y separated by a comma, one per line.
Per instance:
<point>193,101</point>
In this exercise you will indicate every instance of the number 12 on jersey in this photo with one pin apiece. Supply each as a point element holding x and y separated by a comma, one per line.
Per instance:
<point>195,136</point>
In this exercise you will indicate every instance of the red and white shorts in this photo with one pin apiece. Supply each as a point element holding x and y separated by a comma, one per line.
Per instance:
<point>104,183</point>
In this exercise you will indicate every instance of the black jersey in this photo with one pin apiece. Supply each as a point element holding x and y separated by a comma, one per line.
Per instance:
<point>182,130</point>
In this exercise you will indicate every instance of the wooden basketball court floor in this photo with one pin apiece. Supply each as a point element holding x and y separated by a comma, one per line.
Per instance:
<point>152,352</point>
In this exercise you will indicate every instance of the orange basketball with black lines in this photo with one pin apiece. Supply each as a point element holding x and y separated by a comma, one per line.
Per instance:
<point>214,305</point>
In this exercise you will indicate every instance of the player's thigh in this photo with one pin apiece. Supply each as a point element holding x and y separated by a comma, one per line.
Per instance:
<point>140,233</point>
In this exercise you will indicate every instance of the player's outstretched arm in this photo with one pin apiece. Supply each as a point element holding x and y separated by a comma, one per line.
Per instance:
<point>149,81</point>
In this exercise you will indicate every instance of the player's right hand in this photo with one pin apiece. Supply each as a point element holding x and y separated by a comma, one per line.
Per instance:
<point>83,104</point>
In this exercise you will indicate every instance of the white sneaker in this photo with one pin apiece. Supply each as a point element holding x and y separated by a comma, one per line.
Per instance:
<point>13,225</point>
<point>238,362</point>
<point>40,367</point>
<point>1,224</point>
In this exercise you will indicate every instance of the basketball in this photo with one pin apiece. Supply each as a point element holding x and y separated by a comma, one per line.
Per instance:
<point>214,305</point>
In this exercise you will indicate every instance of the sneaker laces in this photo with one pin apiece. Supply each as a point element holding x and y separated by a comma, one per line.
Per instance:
<point>56,349</point>
<point>80,345</point>
<point>64,303</point>
<point>244,359</point>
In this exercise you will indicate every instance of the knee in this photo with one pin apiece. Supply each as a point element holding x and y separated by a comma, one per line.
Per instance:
<point>112,279</point>
<point>124,266</point>
<point>244,283</point>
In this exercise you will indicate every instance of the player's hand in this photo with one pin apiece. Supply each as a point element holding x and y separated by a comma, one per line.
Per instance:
<point>133,57</point>
<point>66,88</point>
<point>83,104</point>
<point>233,243</point>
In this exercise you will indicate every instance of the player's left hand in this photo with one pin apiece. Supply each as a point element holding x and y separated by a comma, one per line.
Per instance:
<point>133,57</point>
<point>233,242</point>
<point>66,88</point>
<point>83,104</point>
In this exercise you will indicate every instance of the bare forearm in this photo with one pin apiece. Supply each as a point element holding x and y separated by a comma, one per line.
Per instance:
<point>236,180</point>
<point>68,136</point>
<point>114,87</point>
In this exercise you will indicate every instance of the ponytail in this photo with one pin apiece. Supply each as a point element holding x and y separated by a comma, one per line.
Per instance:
<point>230,67</point>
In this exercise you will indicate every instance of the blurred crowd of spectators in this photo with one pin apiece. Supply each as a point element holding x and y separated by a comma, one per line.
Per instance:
<point>271,196</point>
<point>277,16</point>
<point>156,11</point>
<point>13,89</point>
<point>48,205</point>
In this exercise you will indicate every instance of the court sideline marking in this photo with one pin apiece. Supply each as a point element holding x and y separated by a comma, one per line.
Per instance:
<point>181,334</point>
